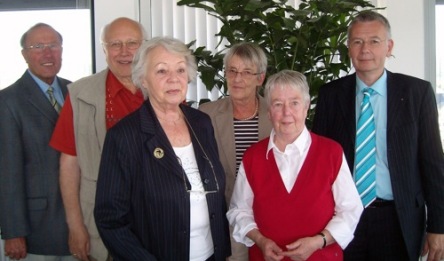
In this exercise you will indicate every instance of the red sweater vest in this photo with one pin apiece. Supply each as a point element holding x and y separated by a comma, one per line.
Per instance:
<point>305,211</point>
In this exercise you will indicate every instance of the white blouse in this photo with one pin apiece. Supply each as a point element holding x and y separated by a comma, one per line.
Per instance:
<point>201,242</point>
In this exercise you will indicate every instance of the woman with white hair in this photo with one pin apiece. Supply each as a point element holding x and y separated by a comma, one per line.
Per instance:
<point>294,197</point>
<point>160,192</point>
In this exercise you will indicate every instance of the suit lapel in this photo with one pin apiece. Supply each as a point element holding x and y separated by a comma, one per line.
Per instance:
<point>395,99</point>
<point>202,149</point>
<point>158,142</point>
<point>347,104</point>
<point>37,99</point>
<point>264,122</point>
<point>63,83</point>
<point>222,119</point>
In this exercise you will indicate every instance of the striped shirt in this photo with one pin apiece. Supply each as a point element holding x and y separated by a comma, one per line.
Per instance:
<point>245,134</point>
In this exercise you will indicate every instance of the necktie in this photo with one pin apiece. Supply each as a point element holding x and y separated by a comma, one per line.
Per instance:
<point>53,100</point>
<point>365,160</point>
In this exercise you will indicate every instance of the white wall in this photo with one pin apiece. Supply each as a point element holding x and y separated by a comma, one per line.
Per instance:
<point>409,20</point>
<point>410,30</point>
<point>104,12</point>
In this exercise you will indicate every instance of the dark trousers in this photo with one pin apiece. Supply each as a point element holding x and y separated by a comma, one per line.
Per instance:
<point>378,236</point>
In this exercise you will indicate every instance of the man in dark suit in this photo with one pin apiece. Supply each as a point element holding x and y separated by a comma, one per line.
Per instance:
<point>32,218</point>
<point>409,157</point>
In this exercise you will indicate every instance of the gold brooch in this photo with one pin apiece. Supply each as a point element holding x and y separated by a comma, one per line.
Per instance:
<point>158,153</point>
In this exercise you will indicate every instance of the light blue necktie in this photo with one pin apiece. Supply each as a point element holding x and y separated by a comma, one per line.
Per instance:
<point>53,100</point>
<point>365,159</point>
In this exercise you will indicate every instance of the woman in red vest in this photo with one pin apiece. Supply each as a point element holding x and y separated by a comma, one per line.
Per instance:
<point>294,197</point>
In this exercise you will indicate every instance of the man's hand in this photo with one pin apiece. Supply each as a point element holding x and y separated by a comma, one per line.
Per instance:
<point>15,248</point>
<point>434,247</point>
<point>79,243</point>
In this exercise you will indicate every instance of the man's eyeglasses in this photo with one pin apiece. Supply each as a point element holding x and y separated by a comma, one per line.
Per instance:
<point>204,192</point>
<point>358,43</point>
<point>40,47</point>
<point>117,45</point>
<point>232,73</point>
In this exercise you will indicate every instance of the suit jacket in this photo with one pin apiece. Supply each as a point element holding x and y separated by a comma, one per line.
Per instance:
<point>142,207</point>
<point>414,150</point>
<point>221,114</point>
<point>30,200</point>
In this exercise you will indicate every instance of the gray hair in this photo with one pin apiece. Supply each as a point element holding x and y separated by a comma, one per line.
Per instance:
<point>172,45</point>
<point>287,78</point>
<point>36,26</point>
<point>248,52</point>
<point>105,29</point>
<point>370,16</point>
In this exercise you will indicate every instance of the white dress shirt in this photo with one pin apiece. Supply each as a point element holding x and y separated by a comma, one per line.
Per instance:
<point>348,206</point>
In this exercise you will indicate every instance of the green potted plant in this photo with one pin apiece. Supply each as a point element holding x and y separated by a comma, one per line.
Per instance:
<point>310,38</point>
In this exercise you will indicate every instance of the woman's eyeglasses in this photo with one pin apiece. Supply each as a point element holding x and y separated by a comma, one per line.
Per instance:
<point>199,191</point>
<point>232,73</point>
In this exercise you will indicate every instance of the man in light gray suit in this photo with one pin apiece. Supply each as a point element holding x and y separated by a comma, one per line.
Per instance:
<point>32,217</point>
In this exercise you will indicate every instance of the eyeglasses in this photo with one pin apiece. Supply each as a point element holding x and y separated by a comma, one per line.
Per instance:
<point>209,162</point>
<point>232,73</point>
<point>199,192</point>
<point>374,42</point>
<point>117,45</point>
<point>40,47</point>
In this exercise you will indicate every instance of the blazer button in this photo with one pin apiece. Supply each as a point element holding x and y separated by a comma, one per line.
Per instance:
<point>212,216</point>
<point>206,181</point>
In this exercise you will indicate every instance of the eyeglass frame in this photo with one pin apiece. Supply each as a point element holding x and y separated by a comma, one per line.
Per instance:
<point>243,74</point>
<point>40,47</point>
<point>373,42</point>
<point>209,162</point>
<point>205,192</point>
<point>120,44</point>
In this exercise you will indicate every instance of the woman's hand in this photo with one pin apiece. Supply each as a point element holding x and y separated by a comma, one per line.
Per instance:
<point>303,248</point>
<point>270,250</point>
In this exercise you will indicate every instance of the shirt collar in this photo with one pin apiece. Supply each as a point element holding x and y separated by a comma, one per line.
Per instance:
<point>43,85</point>
<point>299,144</point>
<point>115,86</point>
<point>380,86</point>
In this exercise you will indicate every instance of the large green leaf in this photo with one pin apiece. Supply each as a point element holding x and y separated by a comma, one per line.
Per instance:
<point>310,38</point>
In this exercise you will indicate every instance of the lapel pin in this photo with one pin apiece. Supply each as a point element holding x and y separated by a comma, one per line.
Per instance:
<point>158,153</point>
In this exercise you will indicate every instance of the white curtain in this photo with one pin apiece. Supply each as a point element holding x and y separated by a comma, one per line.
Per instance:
<point>166,18</point>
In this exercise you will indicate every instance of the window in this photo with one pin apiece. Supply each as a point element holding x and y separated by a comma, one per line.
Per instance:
<point>77,41</point>
<point>439,29</point>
